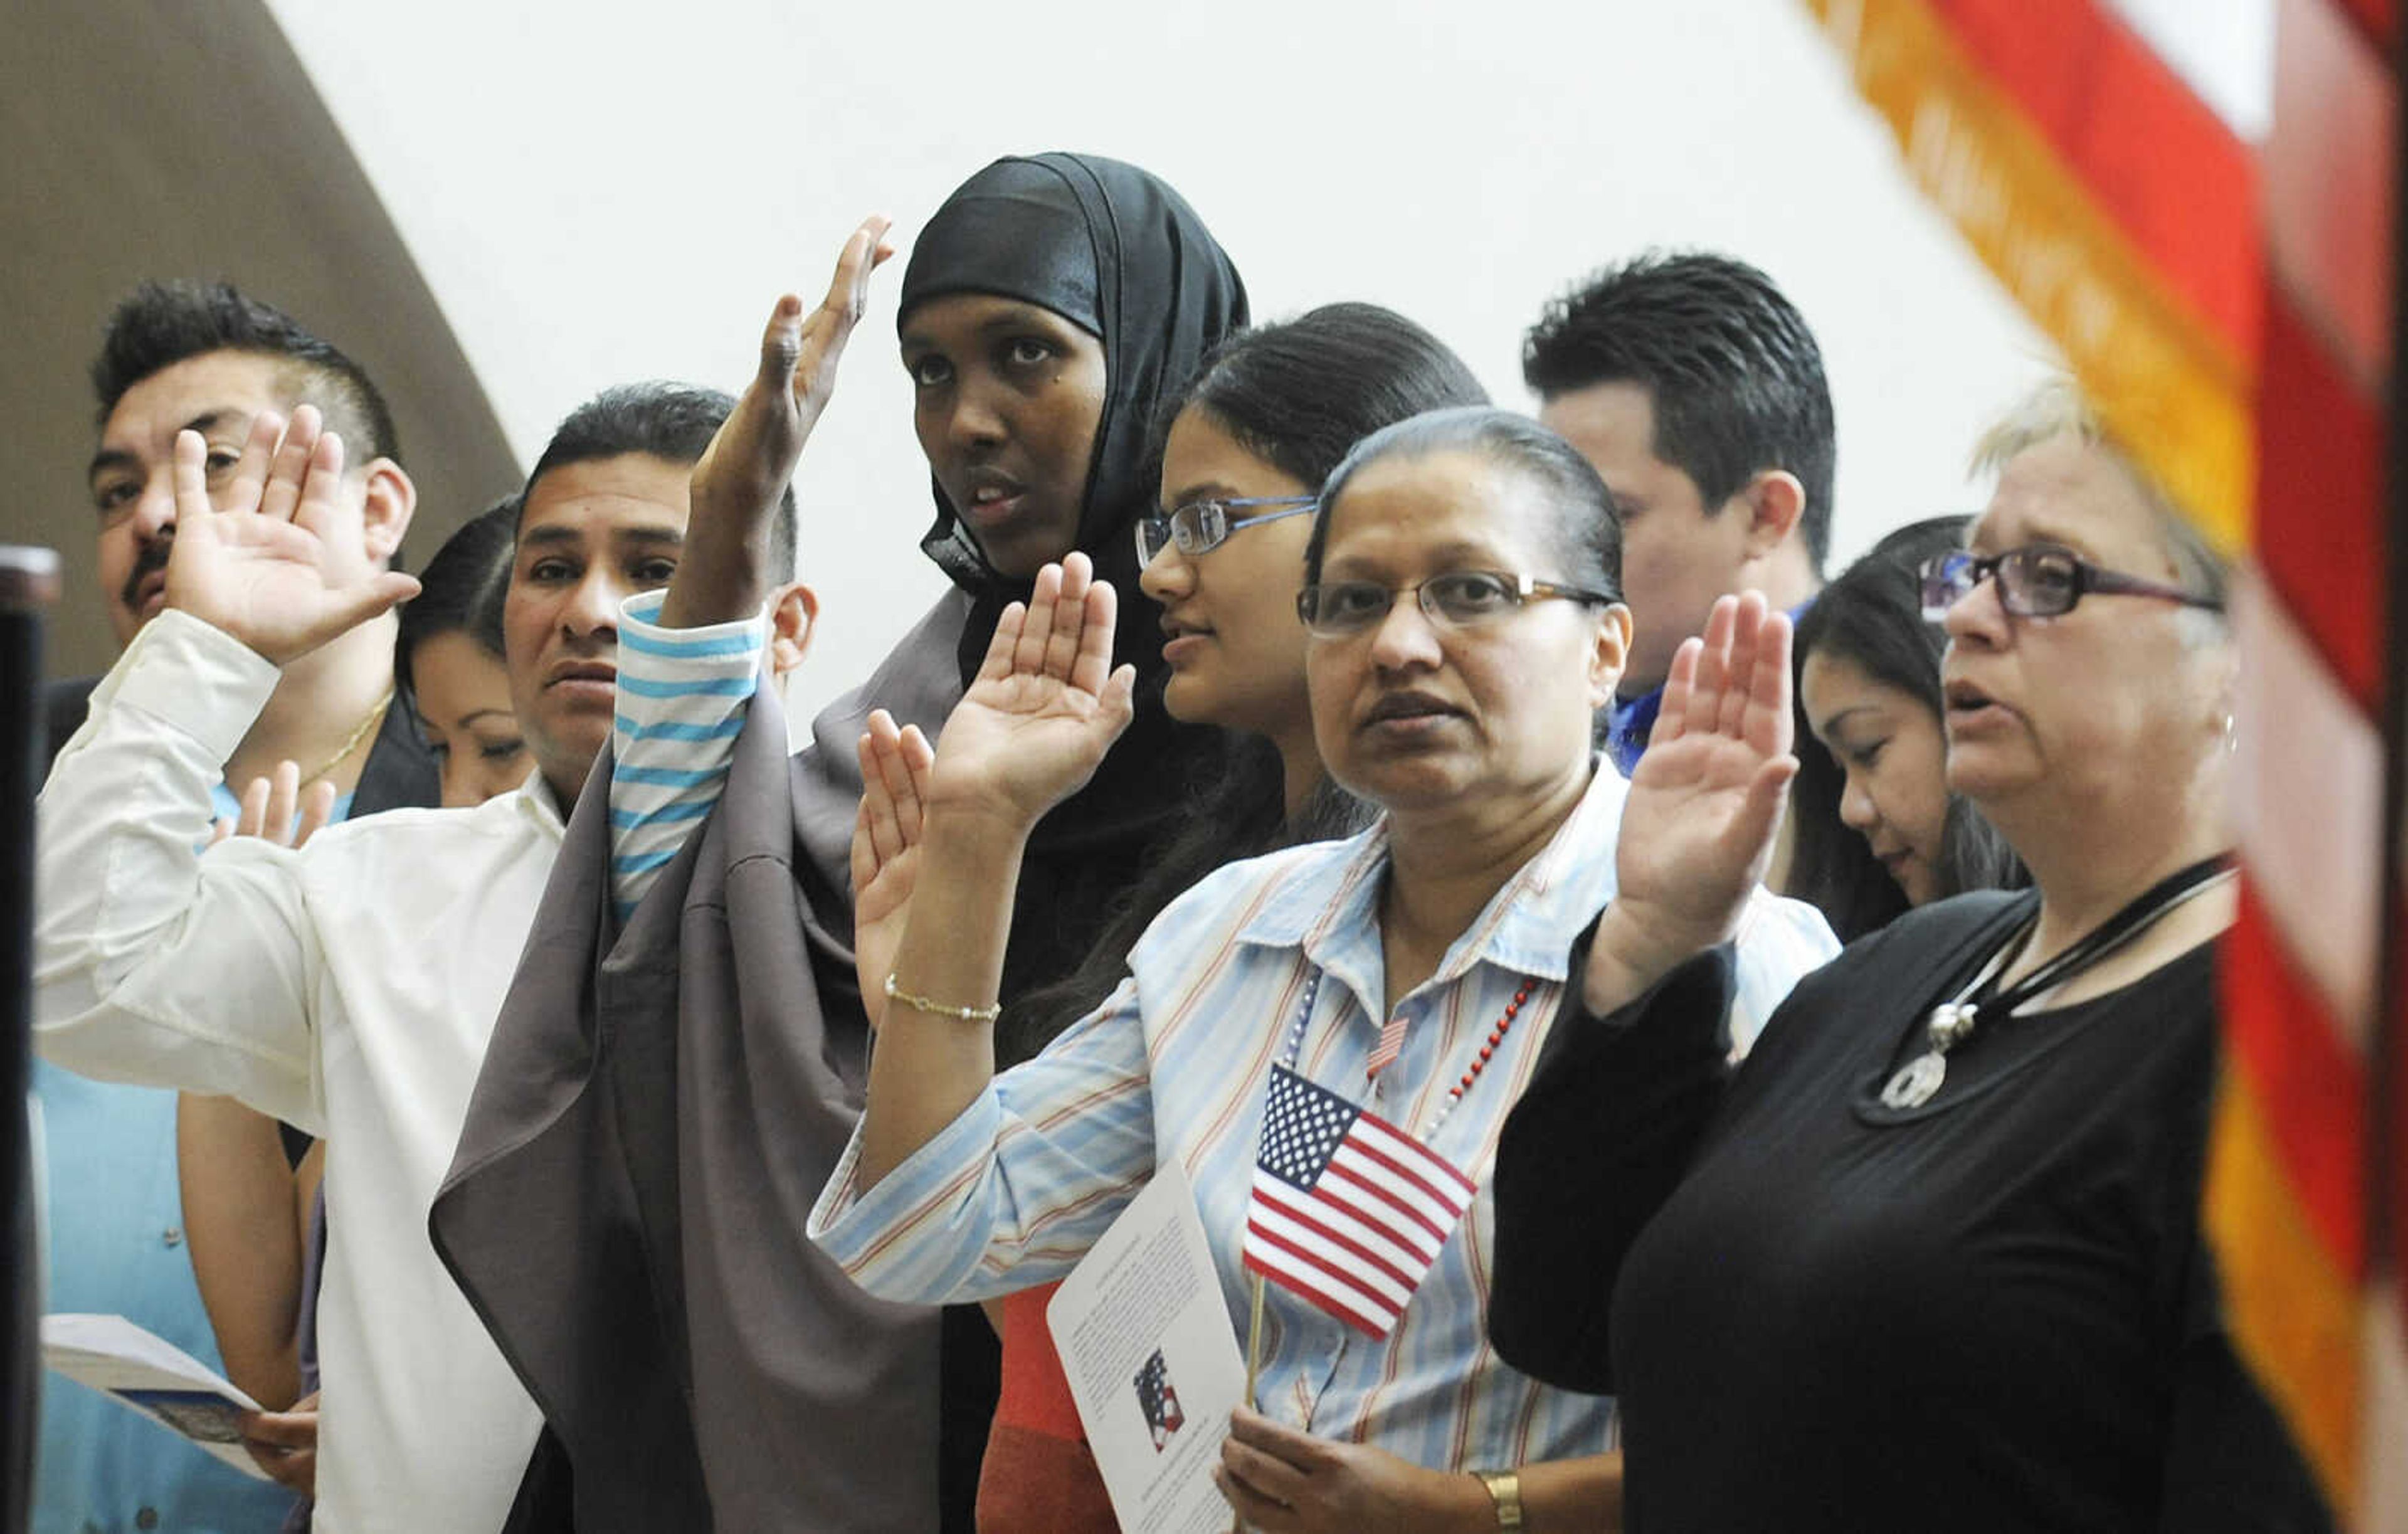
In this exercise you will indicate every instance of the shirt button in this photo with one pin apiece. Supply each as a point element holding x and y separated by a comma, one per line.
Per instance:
<point>147,1519</point>
<point>172,1235</point>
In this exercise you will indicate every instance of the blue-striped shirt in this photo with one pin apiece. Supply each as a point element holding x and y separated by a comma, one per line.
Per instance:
<point>1175,1065</point>
<point>681,702</point>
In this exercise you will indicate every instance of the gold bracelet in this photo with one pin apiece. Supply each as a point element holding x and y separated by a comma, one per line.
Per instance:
<point>938,1009</point>
<point>1505,1489</point>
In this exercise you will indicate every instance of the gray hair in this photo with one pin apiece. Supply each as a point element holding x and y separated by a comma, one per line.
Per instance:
<point>2057,409</point>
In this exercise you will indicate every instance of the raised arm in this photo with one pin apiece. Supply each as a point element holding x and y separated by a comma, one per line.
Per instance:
<point>153,964</point>
<point>886,837</point>
<point>1036,721</point>
<point>1627,1085</point>
<point>689,658</point>
<point>724,573</point>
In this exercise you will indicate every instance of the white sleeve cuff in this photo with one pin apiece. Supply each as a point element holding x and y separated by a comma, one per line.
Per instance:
<point>195,677</point>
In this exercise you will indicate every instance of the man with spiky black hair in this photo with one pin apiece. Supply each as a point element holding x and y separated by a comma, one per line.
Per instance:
<point>1695,387</point>
<point>157,1207</point>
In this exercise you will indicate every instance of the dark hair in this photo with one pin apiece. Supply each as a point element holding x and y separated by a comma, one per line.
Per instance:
<point>1733,374</point>
<point>1298,395</point>
<point>671,422</point>
<point>1588,524</point>
<point>462,588</point>
<point>1872,617</point>
<point>160,324</point>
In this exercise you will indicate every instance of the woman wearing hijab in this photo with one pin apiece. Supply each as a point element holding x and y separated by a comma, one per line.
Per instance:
<point>1933,1258</point>
<point>1272,411</point>
<point>669,1096</point>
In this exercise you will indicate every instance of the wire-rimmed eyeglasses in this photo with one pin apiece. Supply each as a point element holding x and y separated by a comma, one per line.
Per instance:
<point>1336,610</point>
<point>1200,526</point>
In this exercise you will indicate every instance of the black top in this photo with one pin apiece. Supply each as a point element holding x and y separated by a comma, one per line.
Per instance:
<point>1995,1312</point>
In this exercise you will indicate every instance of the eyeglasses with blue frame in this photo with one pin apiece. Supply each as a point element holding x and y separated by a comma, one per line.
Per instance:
<point>1201,526</point>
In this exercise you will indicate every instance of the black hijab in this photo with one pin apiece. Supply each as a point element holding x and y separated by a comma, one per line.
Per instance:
<point>1114,250</point>
<point>660,1106</point>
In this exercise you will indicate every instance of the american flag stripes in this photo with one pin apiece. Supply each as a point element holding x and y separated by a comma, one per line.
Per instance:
<point>2224,301</point>
<point>1159,1399</point>
<point>1347,1211</point>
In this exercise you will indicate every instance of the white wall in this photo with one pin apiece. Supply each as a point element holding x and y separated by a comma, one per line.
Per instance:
<point>603,192</point>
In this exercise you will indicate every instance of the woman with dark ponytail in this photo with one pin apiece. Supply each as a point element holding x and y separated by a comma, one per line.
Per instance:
<point>1248,441</point>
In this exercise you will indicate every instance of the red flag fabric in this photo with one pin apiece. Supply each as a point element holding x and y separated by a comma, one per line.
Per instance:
<point>2229,308</point>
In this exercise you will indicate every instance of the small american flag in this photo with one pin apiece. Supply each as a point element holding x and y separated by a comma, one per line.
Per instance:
<point>1347,1211</point>
<point>1392,1043</point>
<point>1160,1400</point>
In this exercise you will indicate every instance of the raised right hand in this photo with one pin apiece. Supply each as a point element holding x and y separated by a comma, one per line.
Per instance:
<point>1705,803</point>
<point>259,569</point>
<point>1044,706</point>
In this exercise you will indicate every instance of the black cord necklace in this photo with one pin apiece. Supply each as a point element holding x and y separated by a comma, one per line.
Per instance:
<point>1953,1021</point>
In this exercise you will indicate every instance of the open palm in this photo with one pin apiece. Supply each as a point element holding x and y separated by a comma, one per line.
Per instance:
<point>1706,800</point>
<point>262,569</point>
<point>1045,705</point>
<point>753,456</point>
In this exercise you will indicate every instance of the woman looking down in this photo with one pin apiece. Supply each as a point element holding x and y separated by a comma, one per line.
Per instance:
<point>1874,774</point>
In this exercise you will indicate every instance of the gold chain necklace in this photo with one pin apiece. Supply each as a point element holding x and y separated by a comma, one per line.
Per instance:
<point>351,742</point>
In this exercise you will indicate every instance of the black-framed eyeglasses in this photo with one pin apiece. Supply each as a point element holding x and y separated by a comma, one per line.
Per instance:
<point>2038,581</point>
<point>1200,526</point>
<point>1336,610</point>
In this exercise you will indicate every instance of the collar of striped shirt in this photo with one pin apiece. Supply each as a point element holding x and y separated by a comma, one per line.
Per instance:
<point>1327,904</point>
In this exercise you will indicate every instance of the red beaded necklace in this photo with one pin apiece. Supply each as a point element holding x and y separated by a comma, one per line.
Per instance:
<point>1387,1049</point>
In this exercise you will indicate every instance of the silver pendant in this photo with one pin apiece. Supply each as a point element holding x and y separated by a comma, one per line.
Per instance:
<point>1951,1023</point>
<point>1917,1082</point>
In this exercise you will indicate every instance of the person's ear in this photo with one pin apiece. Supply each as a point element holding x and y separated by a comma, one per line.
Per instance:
<point>1775,501</point>
<point>794,615</point>
<point>1608,652</point>
<point>385,517</point>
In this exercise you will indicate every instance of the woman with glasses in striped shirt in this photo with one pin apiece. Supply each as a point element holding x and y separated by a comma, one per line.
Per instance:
<point>1462,626</point>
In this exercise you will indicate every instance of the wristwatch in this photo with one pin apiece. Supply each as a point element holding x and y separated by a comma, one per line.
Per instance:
<point>1505,1490</point>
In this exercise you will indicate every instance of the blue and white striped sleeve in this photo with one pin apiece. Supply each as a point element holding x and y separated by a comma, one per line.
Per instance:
<point>683,695</point>
<point>1016,1189</point>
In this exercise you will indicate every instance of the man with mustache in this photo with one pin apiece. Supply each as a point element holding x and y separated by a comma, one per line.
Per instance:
<point>353,982</point>
<point>179,356</point>
<point>132,1218</point>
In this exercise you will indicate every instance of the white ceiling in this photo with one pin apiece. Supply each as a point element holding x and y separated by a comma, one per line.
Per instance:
<point>597,192</point>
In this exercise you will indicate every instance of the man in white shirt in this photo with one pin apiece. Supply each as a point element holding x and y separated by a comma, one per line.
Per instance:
<point>157,1209</point>
<point>355,980</point>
